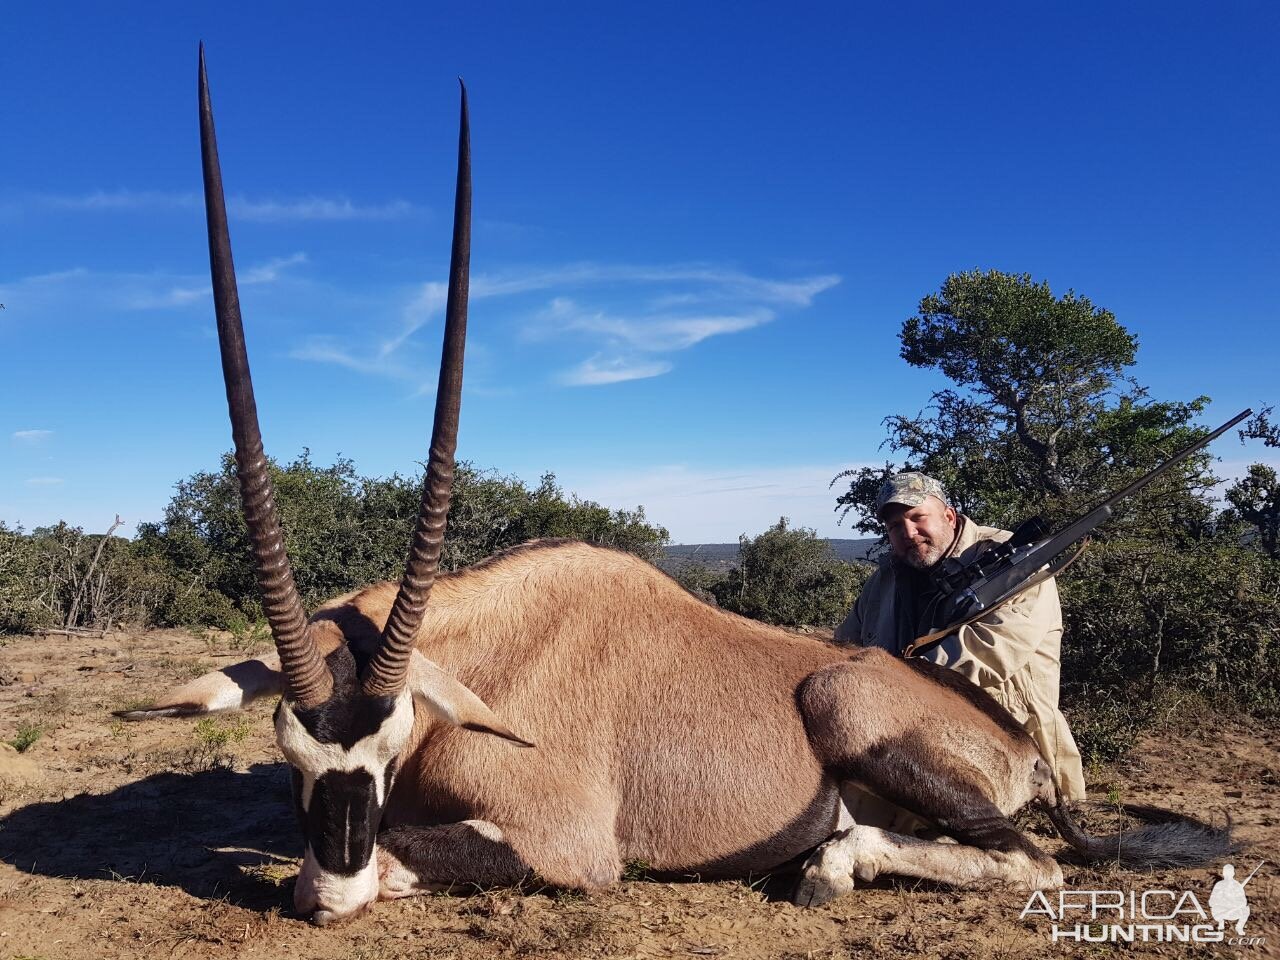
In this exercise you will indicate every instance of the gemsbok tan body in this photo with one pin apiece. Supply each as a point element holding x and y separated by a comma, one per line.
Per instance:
<point>559,709</point>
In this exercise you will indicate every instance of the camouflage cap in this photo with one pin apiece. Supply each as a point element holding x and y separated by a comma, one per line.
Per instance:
<point>909,489</point>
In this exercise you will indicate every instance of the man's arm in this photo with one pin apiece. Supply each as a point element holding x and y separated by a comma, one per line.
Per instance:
<point>996,647</point>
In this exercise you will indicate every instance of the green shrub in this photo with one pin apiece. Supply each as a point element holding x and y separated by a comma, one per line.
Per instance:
<point>60,576</point>
<point>1142,617</point>
<point>789,577</point>
<point>699,580</point>
<point>218,733</point>
<point>343,531</point>
<point>28,734</point>
<point>20,608</point>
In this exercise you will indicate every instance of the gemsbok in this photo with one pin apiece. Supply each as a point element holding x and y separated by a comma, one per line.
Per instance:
<point>559,708</point>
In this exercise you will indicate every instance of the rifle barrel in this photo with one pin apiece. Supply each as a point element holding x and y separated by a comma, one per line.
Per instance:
<point>1082,527</point>
<point>989,589</point>
<point>1255,870</point>
<point>1176,459</point>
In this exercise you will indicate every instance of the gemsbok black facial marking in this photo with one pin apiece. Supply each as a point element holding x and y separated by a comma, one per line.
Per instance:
<point>342,820</point>
<point>349,715</point>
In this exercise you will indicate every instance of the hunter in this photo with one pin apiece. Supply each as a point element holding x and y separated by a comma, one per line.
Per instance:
<point>1013,653</point>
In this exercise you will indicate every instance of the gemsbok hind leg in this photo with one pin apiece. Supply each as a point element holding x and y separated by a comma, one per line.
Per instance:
<point>413,860</point>
<point>863,853</point>
<point>943,753</point>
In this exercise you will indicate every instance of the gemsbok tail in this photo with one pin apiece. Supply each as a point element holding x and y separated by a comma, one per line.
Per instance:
<point>1166,839</point>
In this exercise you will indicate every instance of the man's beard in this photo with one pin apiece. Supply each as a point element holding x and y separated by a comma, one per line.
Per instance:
<point>932,553</point>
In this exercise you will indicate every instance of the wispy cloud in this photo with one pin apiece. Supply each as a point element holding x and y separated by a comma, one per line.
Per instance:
<point>316,208</point>
<point>108,201</point>
<point>652,333</point>
<point>329,350</point>
<point>602,370</point>
<point>182,294</point>
<point>268,210</point>
<point>54,277</point>
<point>270,271</point>
<point>44,481</point>
<point>385,357</point>
<point>174,296</point>
<point>31,436</point>
<point>651,310</point>
<point>709,282</point>
<point>429,301</point>
<point>64,291</point>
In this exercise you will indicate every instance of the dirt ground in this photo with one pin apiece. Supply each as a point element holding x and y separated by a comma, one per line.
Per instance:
<point>175,838</point>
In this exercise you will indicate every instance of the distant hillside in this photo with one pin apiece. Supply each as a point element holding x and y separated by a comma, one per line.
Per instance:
<point>722,556</point>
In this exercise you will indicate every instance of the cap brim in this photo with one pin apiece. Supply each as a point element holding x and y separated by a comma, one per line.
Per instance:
<point>907,500</point>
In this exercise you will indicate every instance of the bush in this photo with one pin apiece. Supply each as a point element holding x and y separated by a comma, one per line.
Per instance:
<point>490,512</point>
<point>60,576</point>
<point>699,580</point>
<point>343,531</point>
<point>20,608</point>
<point>789,577</point>
<point>27,735</point>
<point>1142,618</point>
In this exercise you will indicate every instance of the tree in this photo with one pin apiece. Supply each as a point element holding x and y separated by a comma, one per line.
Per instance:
<point>1255,498</point>
<point>63,578</point>
<point>20,609</point>
<point>1044,415</point>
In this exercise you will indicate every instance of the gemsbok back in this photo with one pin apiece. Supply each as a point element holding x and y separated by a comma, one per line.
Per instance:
<point>559,709</point>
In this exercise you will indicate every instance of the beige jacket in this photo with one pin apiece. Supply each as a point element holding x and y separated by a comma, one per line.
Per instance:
<point>1013,653</point>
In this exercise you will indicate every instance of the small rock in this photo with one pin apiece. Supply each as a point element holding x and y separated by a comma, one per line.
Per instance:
<point>1235,794</point>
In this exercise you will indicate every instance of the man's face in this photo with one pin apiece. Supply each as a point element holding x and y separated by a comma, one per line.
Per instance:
<point>919,536</point>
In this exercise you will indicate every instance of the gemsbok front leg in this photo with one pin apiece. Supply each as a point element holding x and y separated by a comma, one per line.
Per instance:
<point>570,846</point>
<point>451,856</point>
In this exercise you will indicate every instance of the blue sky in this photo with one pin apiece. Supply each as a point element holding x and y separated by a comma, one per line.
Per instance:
<point>698,230</point>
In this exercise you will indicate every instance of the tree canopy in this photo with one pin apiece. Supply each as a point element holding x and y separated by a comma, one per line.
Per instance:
<point>1044,415</point>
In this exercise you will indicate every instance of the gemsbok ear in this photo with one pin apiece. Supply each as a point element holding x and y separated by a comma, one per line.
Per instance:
<point>231,688</point>
<point>453,702</point>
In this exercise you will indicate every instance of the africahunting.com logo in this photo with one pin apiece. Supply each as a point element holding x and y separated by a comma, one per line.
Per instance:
<point>1147,916</point>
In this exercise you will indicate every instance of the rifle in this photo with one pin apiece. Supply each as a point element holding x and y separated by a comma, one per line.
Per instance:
<point>1250,876</point>
<point>1030,556</point>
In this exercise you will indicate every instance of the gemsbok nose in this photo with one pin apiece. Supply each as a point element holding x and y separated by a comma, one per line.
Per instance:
<point>327,897</point>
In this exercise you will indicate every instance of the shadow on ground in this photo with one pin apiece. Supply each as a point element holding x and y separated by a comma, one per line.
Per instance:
<point>214,834</point>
